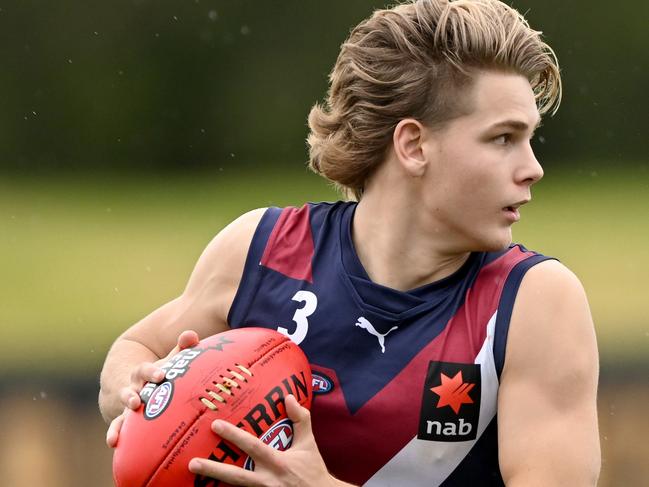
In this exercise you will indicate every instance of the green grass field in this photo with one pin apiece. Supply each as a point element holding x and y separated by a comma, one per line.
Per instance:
<point>82,259</point>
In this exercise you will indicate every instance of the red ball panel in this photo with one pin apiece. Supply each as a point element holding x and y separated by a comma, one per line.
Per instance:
<point>241,376</point>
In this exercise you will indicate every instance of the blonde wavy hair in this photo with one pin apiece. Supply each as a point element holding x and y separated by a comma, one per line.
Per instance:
<point>412,60</point>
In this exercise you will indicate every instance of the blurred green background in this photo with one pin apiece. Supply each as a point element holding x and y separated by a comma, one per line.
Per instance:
<point>132,131</point>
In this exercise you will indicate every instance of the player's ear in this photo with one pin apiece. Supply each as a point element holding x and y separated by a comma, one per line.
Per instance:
<point>408,140</point>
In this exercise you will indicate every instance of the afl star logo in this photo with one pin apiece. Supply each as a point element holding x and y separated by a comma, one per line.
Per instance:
<point>363,323</point>
<point>159,400</point>
<point>321,383</point>
<point>279,436</point>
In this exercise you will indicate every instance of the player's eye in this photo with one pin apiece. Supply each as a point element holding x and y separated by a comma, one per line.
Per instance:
<point>503,139</point>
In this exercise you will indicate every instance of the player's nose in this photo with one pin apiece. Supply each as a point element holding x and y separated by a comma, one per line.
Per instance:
<point>530,171</point>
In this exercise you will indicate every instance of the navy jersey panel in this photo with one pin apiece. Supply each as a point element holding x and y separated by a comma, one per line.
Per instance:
<point>387,364</point>
<point>481,462</point>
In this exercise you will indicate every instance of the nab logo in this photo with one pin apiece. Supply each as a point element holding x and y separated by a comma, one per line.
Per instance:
<point>453,392</point>
<point>279,436</point>
<point>451,402</point>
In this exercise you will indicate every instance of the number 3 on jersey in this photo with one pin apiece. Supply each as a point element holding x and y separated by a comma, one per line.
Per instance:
<point>310,301</point>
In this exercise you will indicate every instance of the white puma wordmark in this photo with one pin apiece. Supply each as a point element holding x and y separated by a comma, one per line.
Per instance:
<point>363,323</point>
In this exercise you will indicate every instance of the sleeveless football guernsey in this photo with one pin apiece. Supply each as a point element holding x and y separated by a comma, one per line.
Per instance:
<point>405,383</point>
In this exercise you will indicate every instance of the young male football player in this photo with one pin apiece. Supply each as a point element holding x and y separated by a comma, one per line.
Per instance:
<point>442,353</point>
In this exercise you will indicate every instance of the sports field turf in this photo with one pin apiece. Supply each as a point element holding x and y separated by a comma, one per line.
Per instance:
<point>82,258</point>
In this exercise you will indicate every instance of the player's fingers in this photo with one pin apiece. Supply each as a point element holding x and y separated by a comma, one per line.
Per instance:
<point>300,416</point>
<point>231,474</point>
<point>146,372</point>
<point>253,446</point>
<point>113,431</point>
<point>129,398</point>
<point>187,339</point>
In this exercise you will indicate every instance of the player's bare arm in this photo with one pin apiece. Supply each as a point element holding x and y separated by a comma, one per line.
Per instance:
<point>202,307</point>
<point>547,416</point>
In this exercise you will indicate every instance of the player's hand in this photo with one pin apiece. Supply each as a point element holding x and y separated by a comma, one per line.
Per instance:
<point>152,371</point>
<point>300,465</point>
<point>129,396</point>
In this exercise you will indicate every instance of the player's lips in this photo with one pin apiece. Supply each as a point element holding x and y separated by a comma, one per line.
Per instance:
<point>511,211</point>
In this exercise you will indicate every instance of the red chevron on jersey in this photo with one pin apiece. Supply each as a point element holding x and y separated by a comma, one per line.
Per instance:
<point>289,250</point>
<point>481,302</point>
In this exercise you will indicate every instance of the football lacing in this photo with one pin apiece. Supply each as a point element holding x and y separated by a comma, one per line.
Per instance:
<point>225,386</point>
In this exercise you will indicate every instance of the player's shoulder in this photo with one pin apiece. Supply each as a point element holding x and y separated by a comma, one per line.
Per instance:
<point>226,252</point>
<point>231,244</point>
<point>551,278</point>
<point>245,224</point>
<point>551,321</point>
<point>234,239</point>
<point>312,215</point>
<point>216,275</point>
<point>550,295</point>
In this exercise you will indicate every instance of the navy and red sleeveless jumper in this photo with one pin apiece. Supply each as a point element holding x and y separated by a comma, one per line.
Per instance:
<point>405,383</point>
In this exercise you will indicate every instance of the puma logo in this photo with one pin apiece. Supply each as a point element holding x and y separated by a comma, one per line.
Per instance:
<point>363,323</point>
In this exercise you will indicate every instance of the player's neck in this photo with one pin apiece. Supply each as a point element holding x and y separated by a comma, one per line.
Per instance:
<point>394,248</point>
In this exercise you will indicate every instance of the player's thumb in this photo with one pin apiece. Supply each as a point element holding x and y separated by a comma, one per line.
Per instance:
<point>300,416</point>
<point>187,339</point>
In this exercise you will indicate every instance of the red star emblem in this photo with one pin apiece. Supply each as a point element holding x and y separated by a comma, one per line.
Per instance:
<point>453,392</point>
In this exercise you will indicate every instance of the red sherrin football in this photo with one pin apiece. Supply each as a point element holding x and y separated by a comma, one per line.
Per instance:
<point>241,376</point>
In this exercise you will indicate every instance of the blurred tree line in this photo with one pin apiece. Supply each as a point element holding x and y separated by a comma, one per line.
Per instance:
<point>174,85</point>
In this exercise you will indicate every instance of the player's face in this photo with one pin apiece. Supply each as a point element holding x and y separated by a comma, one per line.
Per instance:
<point>483,165</point>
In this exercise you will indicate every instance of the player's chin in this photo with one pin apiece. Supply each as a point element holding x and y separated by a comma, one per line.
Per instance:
<point>496,241</point>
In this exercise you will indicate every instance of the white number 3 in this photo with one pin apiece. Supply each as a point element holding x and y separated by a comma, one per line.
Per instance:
<point>310,301</point>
